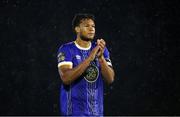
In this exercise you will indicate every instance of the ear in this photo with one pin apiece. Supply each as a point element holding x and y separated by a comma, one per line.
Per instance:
<point>77,29</point>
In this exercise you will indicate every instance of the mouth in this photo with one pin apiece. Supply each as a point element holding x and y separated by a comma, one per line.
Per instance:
<point>90,33</point>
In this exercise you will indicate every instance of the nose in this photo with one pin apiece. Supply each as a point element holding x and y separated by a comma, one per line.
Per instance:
<point>91,28</point>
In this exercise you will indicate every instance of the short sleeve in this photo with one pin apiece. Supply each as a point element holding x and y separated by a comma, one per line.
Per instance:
<point>64,56</point>
<point>107,57</point>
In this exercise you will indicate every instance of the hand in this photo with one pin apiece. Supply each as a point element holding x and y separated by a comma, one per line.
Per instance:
<point>94,53</point>
<point>101,43</point>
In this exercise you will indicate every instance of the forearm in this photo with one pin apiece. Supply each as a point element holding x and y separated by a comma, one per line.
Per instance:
<point>106,70</point>
<point>70,75</point>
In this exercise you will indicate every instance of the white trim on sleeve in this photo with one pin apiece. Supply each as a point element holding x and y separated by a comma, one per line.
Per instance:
<point>65,63</point>
<point>109,63</point>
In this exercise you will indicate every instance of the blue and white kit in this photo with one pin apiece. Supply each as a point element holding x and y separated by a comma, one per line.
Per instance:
<point>85,95</point>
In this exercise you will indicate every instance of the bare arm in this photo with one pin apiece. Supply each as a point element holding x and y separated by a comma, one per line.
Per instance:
<point>106,70</point>
<point>69,74</point>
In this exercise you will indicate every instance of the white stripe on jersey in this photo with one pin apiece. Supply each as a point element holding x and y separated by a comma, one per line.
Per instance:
<point>65,63</point>
<point>109,63</point>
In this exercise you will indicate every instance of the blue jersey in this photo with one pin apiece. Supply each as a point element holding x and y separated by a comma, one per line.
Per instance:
<point>85,95</point>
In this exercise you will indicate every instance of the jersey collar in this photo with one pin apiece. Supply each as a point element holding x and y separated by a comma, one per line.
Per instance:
<point>82,48</point>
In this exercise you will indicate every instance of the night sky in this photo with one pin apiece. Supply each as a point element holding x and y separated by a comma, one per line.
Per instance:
<point>141,35</point>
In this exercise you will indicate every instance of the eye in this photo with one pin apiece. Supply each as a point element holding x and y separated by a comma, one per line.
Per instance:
<point>86,26</point>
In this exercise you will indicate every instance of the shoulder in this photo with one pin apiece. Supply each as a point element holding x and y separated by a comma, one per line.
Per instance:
<point>66,46</point>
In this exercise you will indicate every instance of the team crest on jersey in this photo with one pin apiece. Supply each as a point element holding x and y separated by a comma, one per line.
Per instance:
<point>61,57</point>
<point>91,74</point>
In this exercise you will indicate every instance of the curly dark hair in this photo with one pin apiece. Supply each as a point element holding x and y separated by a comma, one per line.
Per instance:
<point>79,17</point>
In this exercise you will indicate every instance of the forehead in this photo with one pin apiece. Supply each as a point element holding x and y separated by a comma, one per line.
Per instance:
<point>87,21</point>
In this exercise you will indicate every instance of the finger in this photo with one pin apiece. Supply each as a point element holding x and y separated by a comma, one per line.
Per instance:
<point>102,41</point>
<point>99,53</point>
<point>96,48</point>
<point>101,45</point>
<point>98,41</point>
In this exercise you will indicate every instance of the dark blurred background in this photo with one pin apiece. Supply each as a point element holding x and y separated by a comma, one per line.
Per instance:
<point>142,37</point>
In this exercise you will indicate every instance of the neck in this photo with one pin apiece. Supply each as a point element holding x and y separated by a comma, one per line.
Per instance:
<point>82,43</point>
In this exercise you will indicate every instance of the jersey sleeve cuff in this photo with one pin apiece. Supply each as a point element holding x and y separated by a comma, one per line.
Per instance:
<point>109,63</point>
<point>65,63</point>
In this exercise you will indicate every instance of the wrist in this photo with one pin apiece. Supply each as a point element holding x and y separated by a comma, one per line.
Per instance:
<point>89,59</point>
<point>101,58</point>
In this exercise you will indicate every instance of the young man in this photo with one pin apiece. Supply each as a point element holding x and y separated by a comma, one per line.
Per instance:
<point>83,66</point>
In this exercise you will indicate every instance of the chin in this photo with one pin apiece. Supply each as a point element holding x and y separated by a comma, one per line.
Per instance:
<point>91,38</point>
<point>87,38</point>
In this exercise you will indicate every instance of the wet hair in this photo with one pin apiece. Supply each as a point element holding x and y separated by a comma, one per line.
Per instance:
<point>78,18</point>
